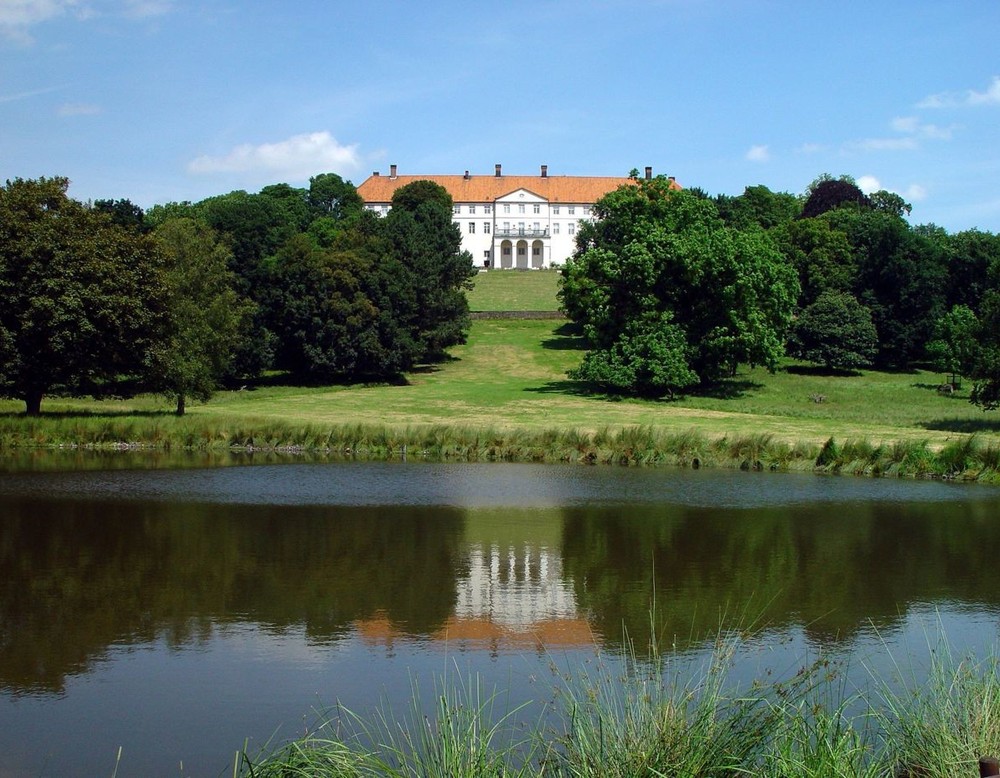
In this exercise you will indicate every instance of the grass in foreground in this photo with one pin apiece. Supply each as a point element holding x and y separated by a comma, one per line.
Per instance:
<point>650,717</point>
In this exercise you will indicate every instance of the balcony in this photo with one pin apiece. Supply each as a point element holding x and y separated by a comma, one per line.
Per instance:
<point>521,232</point>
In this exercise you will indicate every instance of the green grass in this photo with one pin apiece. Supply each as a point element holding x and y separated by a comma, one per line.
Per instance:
<point>506,392</point>
<point>515,290</point>
<point>505,395</point>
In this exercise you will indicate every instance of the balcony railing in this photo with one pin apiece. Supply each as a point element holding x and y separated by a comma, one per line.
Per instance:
<point>521,232</point>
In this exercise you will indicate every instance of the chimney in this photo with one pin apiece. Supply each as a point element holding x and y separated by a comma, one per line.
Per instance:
<point>375,173</point>
<point>497,174</point>
<point>649,172</point>
<point>545,171</point>
<point>672,179</point>
<point>466,175</point>
<point>392,171</point>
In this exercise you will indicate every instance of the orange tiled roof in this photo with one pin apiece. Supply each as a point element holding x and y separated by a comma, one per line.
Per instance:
<point>487,189</point>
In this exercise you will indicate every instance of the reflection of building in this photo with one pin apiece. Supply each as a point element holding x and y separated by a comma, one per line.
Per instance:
<point>509,221</point>
<point>511,597</point>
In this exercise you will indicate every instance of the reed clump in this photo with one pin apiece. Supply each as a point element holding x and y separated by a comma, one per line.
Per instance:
<point>662,715</point>
<point>965,458</point>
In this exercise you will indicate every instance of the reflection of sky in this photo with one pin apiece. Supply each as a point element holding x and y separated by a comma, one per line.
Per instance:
<point>199,704</point>
<point>483,485</point>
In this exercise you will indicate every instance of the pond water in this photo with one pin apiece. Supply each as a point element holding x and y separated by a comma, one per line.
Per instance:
<point>180,613</point>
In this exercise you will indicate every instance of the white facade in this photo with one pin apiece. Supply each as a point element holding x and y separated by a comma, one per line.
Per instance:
<point>517,222</point>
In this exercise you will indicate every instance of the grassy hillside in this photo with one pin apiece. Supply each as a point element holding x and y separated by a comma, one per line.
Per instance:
<point>510,382</point>
<point>515,290</point>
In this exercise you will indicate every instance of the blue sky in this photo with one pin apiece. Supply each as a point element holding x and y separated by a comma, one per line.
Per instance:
<point>160,100</point>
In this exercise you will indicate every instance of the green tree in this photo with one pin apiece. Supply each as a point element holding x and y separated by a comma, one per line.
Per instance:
<point>902,278</point>
<point>758,206</point>
<point>822,256</point>
<point>658,259</point>
<point>985,372</point>
<point>427,246</point>
<point>955,342</point>
<point>970,255</point>
<point>206,315</point>
<point>333,197</point>
<point>835,331</point>
<point>83,298</point>
<point>123,212</point>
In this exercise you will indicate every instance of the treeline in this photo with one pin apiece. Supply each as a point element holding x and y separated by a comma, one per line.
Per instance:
<point>674,290</point>
<point>102,299</point>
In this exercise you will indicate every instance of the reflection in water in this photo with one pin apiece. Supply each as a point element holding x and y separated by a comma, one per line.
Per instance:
<point>353,585</point>
<point>78,578</point>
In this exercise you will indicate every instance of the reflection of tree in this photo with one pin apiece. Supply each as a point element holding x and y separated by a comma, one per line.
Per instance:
<point>77,577</point>
<point>831,568</point>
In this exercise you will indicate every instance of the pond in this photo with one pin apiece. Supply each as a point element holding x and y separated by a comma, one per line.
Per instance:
<point>181,613</point>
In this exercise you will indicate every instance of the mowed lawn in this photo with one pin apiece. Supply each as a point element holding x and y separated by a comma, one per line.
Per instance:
<point>515,290</point>
<point>513,374</point>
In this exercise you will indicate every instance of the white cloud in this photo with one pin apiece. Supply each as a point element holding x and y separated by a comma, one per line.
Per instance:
<point>991,96</point>
<point>810,148</point>
<point>296,158</point>
<point>758,154</point>
<point>912,193</point>
<point>17,16</point>
<point>868,184</point>
<point>911,125</point>
<point>78,109</point>
<point>885,144</point>
<point>142,9</point>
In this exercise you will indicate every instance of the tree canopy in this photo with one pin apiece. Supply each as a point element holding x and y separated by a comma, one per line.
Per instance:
<point>660,278</point>
<point>83,297</point>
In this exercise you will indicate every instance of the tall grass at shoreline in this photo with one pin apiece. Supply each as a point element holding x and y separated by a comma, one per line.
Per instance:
<point>651,717</point>
<point>967,458</point>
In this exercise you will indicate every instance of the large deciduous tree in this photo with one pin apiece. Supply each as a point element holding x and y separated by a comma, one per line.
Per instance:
<point>206,315</point>
<point>835,331</point>
<point>83,298</point>
<point>660,277</point>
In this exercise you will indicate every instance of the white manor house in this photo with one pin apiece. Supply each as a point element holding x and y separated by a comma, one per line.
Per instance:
<point>525,222</point>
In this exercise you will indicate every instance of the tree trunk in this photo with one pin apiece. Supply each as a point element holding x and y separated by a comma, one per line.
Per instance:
<point>32,402</point>
<point>180,405</point>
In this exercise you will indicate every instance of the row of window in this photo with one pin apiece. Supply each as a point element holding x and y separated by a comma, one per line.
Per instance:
<point>536,227</point>
<point>505,208</point>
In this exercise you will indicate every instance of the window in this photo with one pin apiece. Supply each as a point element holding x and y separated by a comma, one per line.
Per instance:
<point>555,228</point>
<point>586,210</point>
<point>472,228</point>
<point>487,209</point>
<point>555,210</point>
<point>571,210</point>
<point>572,228</point>
<point>506,250</point>
<point>520,228</point>
<point>520,207</point>
<point>472,209</point>
<point>520,251</point>
<point>506,207</point>
<point>536,208</point>
<point>506,226</point>
<point>535,251</point>
<point>486,228</point>
<point>456,209</point>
